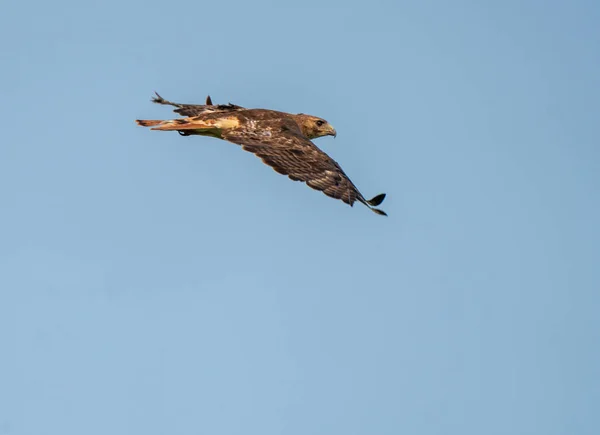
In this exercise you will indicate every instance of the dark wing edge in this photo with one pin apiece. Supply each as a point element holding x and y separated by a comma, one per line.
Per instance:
<point>289,153</point>
<point>196,109</point>
<point>374,202</point>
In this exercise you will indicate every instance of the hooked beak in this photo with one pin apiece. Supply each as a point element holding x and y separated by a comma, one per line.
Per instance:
<point>332,132</point>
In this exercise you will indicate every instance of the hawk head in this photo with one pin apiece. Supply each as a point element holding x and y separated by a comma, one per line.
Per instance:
<point>313,127</point>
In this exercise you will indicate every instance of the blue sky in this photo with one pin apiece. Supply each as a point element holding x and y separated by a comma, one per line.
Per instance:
<point>154,284</point>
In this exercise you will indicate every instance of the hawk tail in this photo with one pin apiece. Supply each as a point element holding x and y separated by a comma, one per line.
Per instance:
<point>187,124</point>
<point>167,124</point>
<point>147,122</point>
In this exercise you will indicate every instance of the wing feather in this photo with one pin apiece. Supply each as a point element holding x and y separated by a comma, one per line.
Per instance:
<point>197,109</point>
<point>282,146</point>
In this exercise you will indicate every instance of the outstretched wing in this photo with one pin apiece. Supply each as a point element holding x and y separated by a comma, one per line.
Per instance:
<point>197,109</point>
<point>283,147</point>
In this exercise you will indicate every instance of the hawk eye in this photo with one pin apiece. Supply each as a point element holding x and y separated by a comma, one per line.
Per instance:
<point>320,123</point>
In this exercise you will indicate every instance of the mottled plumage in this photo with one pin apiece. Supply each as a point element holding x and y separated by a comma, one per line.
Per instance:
<point>281,140</point>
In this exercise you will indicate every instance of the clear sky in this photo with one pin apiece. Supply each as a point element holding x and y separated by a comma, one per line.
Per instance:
<point>158,285</point>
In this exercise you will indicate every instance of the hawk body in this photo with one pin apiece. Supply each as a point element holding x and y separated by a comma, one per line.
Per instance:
<point>282,140</point>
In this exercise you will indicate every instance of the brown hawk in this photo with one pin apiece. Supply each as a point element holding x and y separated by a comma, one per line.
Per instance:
<point>282,140</point>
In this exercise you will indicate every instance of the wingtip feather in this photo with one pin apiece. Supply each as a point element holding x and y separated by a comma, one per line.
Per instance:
<point>376,200</point>
<point>157,98</point>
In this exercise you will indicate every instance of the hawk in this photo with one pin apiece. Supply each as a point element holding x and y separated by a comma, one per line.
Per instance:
<point>282,140</point>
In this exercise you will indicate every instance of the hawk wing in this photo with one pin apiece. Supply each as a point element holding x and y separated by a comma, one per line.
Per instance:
<point>283,147</point>
<point>197,109</point>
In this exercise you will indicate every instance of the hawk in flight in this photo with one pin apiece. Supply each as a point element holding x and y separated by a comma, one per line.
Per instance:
<point>282,140</point>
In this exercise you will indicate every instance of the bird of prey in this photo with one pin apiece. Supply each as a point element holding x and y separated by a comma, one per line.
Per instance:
<point>282,140</point>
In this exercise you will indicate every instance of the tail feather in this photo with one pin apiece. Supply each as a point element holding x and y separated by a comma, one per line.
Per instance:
<point>147,122</point>
<point>175,124</point>
<point>182,124</point>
